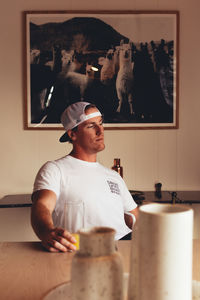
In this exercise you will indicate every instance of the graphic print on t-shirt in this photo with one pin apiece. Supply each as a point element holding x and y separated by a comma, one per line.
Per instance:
<point>114,188</point>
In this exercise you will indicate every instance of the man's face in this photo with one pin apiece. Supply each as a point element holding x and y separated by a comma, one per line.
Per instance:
<point>89,135</point>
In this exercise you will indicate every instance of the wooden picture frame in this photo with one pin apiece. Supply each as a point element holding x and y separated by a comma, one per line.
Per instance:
<point>125,62</point>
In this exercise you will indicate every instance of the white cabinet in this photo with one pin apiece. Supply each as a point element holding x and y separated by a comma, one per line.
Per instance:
<point>15,224</point>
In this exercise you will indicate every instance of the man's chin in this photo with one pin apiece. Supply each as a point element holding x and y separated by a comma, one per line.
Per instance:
<point>101,147</point>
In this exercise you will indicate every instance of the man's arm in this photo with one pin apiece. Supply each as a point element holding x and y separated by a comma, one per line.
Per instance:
<point>129,219</point>
<point>53,238</point>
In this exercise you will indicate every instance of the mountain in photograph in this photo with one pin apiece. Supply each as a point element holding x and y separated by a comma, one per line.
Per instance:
<point>79,33</point>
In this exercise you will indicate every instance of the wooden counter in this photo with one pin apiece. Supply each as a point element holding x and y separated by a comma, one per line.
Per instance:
<point>28,272</point>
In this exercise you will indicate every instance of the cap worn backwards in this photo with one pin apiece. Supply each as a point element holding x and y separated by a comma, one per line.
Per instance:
<point>74,115</point>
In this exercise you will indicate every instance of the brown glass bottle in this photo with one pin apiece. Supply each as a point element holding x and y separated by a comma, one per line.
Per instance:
<point>117,167</point>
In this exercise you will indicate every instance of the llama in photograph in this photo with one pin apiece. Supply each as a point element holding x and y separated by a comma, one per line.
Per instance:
<point>124,81</point>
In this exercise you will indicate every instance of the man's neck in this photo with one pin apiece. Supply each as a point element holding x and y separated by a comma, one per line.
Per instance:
<point>84,156</point>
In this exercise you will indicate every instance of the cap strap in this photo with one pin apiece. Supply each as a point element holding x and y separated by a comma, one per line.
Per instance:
<point>84,117</point>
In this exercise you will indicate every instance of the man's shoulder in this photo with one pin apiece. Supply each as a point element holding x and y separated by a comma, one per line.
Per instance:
<point>54,164</point>
<point>61,160</point>
<point>110,171</point>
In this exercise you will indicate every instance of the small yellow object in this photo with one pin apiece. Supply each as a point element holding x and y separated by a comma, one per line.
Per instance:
<point>76,235</point>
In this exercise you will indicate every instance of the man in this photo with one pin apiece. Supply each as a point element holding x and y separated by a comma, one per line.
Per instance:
<point>76,191</point>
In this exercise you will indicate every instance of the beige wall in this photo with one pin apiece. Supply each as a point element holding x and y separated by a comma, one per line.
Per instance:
<point>169,156</point>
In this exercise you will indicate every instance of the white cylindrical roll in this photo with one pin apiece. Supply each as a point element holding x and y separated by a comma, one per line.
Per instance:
<point>161,254</point>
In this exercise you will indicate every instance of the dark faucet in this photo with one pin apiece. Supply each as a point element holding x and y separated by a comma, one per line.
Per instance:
<point>174,197</point>
<point>158,192</point>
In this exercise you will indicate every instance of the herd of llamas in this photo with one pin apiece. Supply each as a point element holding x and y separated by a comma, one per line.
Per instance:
<point>68,70</point>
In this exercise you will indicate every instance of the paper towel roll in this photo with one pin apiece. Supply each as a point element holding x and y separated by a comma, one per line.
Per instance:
<point>161,254</point>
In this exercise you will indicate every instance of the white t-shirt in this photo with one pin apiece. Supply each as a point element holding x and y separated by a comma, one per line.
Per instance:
<point>88,194</point>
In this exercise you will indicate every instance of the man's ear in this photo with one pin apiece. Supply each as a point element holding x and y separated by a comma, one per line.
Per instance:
<point>71,134</point>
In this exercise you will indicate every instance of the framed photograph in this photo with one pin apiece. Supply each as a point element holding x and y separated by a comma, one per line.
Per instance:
<point>125,62</point>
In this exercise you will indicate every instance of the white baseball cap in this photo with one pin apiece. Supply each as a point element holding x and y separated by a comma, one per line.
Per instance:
<point>74,115</point>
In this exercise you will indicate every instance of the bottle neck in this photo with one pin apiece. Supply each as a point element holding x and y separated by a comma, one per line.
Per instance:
<point>98,241</point>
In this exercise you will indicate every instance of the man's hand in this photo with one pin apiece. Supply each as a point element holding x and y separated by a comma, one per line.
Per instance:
<point>58,239</point>
<point>54,239</point>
